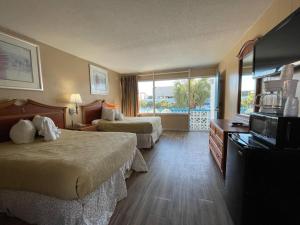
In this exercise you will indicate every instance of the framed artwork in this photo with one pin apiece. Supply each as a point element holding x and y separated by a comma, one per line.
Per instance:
<point>98,80</point>
<point>19,64</point>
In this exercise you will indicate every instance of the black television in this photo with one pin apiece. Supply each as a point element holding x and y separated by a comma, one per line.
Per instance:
<point>278,47</point>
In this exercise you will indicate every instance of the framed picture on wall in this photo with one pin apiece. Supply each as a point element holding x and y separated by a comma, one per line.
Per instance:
<point>98,80</point>
<point>19,64</point>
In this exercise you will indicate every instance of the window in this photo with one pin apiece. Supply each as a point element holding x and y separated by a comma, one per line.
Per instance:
<point>145,96</point>
<point>171,96</point>
<point>247,94</point>
<point>179,93</point>
<point>200,93</point>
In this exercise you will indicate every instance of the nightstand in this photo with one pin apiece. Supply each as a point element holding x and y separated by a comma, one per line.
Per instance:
<point>84,127</point>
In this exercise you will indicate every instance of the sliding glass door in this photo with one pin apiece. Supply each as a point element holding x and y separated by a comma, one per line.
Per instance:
<point>192,97</point>
<point>146,102</point>
<point>164,96</point>
<point>201,103</point>
<point>171,96</point>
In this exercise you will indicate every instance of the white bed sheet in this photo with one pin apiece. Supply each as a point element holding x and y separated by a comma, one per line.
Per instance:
<point>148,140</point>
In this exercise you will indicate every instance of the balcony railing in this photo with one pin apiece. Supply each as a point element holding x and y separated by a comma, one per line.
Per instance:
<point>199,120</point>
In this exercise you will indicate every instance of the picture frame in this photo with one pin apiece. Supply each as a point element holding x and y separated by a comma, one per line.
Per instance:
<point>98,80</point>
<point>20,64</point>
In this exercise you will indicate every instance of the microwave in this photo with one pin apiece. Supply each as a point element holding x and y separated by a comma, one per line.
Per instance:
<point>275,130</point>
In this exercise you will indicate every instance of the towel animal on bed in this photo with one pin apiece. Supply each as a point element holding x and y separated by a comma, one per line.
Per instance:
<point>46,128</point>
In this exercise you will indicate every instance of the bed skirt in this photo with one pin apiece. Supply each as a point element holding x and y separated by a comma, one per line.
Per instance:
<point>94,209</point>
<point>148,140</point>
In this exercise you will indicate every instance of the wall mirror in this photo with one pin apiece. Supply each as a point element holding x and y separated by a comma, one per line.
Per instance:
<point>248,87</point>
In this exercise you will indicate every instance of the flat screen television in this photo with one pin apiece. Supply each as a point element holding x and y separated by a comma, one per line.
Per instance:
<point>278,47</point>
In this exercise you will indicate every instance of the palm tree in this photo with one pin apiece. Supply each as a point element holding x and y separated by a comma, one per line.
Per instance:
<point>181,94</point>
<point>199,92</point>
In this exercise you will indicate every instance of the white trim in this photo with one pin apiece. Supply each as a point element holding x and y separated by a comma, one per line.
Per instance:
<point>189,99</point>
<point>153,91</point>
<point>164,114</point>
<point>40,68</point>
<point>171,114</point>
<point>162,73</point>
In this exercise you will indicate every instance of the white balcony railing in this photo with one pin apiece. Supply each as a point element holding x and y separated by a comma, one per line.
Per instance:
<point>199,120</point>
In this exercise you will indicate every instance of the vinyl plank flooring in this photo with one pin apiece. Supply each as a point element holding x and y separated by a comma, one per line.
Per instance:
<point>183,186</point>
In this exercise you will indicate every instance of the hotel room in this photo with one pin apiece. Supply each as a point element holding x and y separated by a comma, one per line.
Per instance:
<point>181,112</point>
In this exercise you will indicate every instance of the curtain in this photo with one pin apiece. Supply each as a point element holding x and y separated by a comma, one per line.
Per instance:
<point>129,87</point>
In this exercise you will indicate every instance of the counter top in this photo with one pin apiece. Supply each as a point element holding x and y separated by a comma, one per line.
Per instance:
<point>226,126</point>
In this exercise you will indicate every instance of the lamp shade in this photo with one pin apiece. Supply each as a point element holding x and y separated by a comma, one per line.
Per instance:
<point>75,98</point>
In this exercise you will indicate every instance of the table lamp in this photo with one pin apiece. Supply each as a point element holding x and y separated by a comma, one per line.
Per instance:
<point>75,99</point>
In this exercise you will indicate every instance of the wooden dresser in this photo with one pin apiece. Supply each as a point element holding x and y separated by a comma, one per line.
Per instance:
<point>218,135</point>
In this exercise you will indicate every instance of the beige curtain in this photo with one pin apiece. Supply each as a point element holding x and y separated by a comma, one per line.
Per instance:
<point>129,95</point>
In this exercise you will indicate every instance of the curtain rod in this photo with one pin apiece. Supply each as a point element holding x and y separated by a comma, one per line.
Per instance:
<point>162,73</point>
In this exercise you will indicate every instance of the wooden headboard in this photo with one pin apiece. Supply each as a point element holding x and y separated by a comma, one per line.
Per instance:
<point>13,110</point>
<point>91,111</point>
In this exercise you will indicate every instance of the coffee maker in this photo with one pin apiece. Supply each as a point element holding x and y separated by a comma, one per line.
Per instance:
<point>271,100</point>
<point>279,95</point>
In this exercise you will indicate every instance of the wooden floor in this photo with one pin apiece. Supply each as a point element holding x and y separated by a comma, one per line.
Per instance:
<point>183,186</point>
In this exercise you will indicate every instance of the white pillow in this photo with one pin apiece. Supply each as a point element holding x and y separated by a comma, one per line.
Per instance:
<point>22,132</point>
<point>122,117</point>
<point>108,114</point>
<point>117,114</point>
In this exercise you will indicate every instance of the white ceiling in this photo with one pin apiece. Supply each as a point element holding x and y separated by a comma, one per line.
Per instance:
<point>136,35</point>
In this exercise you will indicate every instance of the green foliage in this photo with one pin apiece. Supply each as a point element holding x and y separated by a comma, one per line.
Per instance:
<point>199,92</point>
<point>143,104</point>
<point>146,104</point>
<point>247,102</point>
<point>181,94</point>
<point>163,104</point>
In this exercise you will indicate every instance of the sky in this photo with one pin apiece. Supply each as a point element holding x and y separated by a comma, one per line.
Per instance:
<point>147,85</point>
<point>248,83</point>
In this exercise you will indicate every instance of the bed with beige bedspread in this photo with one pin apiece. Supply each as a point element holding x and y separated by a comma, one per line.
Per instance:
<point>148,129</point>
<point>70,174</point>
<point>68,168</point>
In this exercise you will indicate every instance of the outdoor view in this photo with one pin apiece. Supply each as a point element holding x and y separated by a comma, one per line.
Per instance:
<point>247,94</point>
<point>172,96</point>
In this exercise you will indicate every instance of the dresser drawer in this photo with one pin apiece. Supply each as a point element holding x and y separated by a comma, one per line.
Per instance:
<point>218,142</point>
<point>214,147</point>
<point>212,127</point>
<point>216,155</point>
<point>220,134</point>
<point>211,132</point>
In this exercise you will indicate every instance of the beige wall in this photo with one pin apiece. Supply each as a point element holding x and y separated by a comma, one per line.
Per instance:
<point>175,122</point>
<point>279,10</point>
<point>63,74</point>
